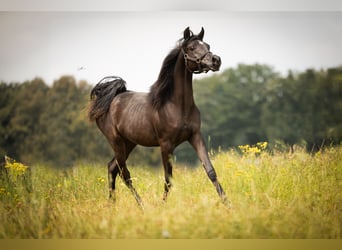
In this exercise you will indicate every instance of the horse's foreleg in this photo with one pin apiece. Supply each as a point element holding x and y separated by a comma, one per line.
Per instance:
<point>198,144</point>
<point>112,173</point>
<point>166,152</point>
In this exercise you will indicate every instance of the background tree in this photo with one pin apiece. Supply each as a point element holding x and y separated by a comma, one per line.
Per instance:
<point>7,106</point>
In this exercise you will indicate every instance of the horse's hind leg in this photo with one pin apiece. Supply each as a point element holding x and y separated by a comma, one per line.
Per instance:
<point>122,154</point>
<point>126,176</point>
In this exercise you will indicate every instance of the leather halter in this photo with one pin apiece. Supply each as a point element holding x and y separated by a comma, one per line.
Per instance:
<point>196,60</point>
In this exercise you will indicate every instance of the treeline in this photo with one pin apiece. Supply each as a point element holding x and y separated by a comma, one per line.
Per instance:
<point>41,123</point>
<point>242,105</point>
<point>253,103</point>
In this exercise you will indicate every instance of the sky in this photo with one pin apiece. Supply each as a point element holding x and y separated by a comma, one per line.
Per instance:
<point>132,44</point>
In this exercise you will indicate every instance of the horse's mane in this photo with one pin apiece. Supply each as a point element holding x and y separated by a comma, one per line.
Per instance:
<point>162,89</point>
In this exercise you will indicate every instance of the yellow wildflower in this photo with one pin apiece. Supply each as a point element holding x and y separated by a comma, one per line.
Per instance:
<point>15,168</point>
<point>253,149</point>
<point>101,179</point>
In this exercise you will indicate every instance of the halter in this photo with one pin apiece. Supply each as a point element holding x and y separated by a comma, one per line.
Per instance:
<point>196,60</point>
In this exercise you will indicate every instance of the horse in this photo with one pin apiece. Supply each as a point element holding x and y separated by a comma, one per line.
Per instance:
<point>165,117</point>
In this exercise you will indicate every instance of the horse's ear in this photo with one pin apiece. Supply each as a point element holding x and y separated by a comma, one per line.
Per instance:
<point>187,33</point>
<point>201,34</point>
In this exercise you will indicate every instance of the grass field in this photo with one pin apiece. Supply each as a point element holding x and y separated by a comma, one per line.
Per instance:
<point>273,196</point>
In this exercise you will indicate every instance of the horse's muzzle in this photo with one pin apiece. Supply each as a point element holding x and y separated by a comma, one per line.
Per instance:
<point>216,63</point>
<point>211,62</point>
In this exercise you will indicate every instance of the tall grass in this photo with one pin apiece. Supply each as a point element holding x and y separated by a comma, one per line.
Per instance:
<point>273,196</point>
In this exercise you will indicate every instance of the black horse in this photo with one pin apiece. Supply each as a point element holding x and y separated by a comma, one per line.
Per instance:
<point>164,117</point>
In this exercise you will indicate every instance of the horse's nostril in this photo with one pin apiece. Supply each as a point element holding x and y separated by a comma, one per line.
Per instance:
<point>216,60</point>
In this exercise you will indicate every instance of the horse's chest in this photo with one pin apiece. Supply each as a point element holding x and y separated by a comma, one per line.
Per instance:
<point>176,126</point>
<point>182,131</point>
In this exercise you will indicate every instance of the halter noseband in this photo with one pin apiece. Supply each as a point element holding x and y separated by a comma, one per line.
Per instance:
<point>196,60</point>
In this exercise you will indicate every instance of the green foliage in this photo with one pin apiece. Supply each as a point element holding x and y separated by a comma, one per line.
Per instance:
<point>42,123</point>
<point>276,195</point>
<point>306,106</point>
<point>242,105</point>
<point>253,103</point>
<point>233,103</point>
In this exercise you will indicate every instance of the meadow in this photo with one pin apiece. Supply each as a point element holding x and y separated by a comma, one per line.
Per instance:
<point>278,195</point>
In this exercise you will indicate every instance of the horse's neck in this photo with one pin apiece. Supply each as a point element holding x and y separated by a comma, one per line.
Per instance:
<point>183,92</point>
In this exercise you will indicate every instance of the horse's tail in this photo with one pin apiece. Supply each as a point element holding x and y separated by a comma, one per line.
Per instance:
<point>102,95</point>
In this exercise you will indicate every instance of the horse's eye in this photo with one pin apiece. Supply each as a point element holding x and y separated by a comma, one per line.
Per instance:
<point>192,48</point>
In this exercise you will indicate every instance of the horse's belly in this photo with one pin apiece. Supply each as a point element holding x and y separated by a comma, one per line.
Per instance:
<point>147,138</point>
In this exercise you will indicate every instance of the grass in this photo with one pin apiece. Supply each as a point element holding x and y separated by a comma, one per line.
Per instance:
<point>273,196</point>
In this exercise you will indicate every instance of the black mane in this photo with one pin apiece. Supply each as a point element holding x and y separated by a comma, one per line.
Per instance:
<point>162,89</point>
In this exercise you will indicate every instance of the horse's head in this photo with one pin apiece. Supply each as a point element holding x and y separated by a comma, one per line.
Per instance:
<point>197,55</point>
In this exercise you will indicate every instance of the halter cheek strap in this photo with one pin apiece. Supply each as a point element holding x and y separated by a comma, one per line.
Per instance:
<point>196,60</point>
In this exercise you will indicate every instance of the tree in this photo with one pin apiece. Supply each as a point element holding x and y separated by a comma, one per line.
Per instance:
<point>282,111</point>
<point>232,104</point>
<point>7,106</point>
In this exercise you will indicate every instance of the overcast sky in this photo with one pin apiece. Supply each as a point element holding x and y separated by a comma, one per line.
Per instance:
<point>91,45</point>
